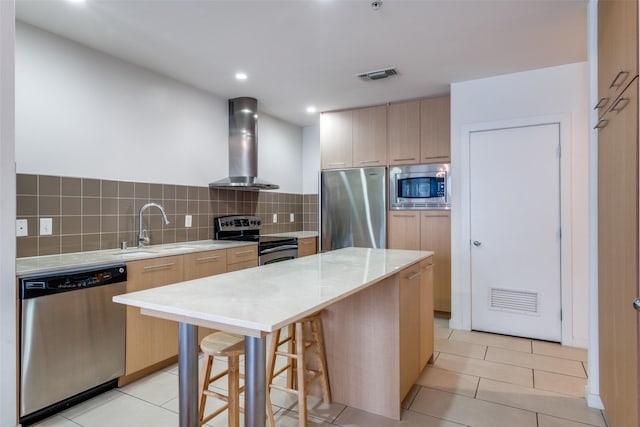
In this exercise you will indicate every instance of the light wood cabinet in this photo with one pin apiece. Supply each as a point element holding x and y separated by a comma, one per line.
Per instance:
<point>150,340</point>
<point>204,264</point>
<point>435,235</point>
<point>617,48</point>
<point>427,231</point>
<point>403,230</point>
<point>336,139</point>
<point>370,136</point>
<point>426,312</point>
<point>242,254</point>
<point>307,246</point>
<point>404,133</point>
<point>435,130</point>
<point>410,328</point>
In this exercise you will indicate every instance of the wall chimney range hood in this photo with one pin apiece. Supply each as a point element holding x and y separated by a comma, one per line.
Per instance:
<point>243,148</point>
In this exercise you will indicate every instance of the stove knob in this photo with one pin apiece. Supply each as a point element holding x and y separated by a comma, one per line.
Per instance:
<point>258,222</point>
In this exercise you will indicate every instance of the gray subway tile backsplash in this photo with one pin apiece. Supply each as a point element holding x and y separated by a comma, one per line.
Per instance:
<point>91,214</point>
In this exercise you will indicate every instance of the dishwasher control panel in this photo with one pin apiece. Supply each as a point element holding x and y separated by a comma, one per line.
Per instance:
<point>71,280</point>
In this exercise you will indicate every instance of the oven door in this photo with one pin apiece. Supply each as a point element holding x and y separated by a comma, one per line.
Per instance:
<point>268,254</point>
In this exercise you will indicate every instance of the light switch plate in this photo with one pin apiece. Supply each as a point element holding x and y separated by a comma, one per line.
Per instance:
<point>21,228</point>
<point>275,218</point>
<point>187,221</point>
<point>46,226</point>
<point>291,217</point>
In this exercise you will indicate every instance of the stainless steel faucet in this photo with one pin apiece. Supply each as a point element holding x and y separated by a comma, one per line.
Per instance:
<point>143,237</point>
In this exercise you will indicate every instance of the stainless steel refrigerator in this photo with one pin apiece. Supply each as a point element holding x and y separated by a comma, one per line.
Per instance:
<point>353,208</point>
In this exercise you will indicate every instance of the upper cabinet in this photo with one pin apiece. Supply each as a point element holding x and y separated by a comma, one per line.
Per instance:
<point>336,136</point>
<point>404,133</point>
<point>420,131</point>
<point>617,49</point>
<point>354,138</point>
<point>370,136</point>
<point>435,130</point>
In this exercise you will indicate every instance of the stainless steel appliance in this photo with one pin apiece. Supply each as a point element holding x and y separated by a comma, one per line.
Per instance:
<point>247,228</point>
<point>420,187</point>
<point>72,338</point>
<point>353,208</point>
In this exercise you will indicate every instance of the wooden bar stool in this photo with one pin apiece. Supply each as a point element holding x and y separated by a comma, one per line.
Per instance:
<point>231,346</point>
<point>297,346</point>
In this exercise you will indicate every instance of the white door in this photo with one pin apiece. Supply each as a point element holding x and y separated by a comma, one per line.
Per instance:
<point>515,231</point>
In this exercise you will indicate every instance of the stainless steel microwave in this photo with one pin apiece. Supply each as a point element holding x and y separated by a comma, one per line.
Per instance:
<point>420,187</point>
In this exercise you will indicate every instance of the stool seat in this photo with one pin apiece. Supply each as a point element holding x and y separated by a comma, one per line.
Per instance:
<point>221,344</point>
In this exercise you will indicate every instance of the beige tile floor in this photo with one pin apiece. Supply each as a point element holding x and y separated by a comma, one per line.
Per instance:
<point>475,379</point>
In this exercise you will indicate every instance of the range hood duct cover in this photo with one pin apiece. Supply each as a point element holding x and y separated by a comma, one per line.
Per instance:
<point>243,148</point>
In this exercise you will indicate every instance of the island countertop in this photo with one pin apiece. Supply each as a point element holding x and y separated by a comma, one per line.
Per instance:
<point>257,301</point>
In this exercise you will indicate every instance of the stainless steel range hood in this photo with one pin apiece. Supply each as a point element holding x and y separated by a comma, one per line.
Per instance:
<point>243,148</point>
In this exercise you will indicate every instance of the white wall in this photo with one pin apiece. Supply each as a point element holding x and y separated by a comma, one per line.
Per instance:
<point>8,337</point>
<point>80,112</point>
<point>310,159</point>
<point>557,91</point>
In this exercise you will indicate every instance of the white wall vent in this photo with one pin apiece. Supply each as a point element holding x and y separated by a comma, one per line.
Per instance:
<point>512,300</point>
<point>378,74</point>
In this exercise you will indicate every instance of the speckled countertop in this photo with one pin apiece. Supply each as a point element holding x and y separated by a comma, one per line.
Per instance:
<point>46,263</point>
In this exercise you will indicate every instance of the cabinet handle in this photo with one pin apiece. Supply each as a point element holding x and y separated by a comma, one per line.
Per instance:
<point>602,123</point>
<point>364,162</point>
<point>307,243</point>
<point>428,267</point>
<point>435,157</point>
<point>413,276</point>
<point>151,267</point>
<point>435,216</point>
<point>403,216</point>
<point>601,102</point>
<point>245,252</point>
<point>401,160</point>
<point>615,104</point>
<point>615,82</point>
<point>208,258</point>
<point>336,164</point>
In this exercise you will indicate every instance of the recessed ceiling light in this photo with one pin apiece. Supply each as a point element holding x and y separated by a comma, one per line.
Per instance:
<point>311,109</point>
<point>241,76</point>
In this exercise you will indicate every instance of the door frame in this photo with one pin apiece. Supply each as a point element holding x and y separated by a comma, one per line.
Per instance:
<point>461,273</point>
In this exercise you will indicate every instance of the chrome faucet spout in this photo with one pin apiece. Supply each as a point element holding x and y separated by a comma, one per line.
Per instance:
<point>143,238</point>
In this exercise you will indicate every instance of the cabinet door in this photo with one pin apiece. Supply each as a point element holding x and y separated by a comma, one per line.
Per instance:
<point>617,47</point>
<point>435,235</point>
<point>242,265</point>
<point>307,246</point>
<point>618,261</point>
<point>410,344</point>
<point>404,230</point>
<point>404,133</point>
<point>204,264</point>
<point>150,340</point>
<point>336,139</point>
<point>242,254</point>
<point>370,136</point>
<point>435,130</point>
<point>426,312</point>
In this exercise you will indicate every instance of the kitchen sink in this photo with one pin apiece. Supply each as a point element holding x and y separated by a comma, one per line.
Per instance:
<point>180,248</point>
<point>134,253</point>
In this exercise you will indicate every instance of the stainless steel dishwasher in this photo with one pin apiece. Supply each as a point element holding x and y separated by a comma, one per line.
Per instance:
<point>72,338</point>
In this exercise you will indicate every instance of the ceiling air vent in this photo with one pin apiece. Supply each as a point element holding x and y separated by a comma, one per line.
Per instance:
<point>378,74</point>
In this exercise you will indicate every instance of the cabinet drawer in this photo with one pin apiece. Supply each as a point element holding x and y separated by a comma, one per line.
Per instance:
<point>242,254</point>
<point>151,273</point>
<point>307,246</point>
<point>242,265</point>
<point>203,264</point>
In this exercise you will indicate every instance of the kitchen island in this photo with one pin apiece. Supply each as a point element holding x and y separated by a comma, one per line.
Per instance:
<point>377,324</point>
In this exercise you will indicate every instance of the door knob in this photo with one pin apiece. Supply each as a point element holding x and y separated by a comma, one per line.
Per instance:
<point>636,304</point>
<point>477,243</point>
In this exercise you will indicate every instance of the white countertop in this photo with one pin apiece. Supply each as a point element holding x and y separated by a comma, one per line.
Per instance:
<point>46,263</point>
<point>296,234</point>
<point>262,299</point>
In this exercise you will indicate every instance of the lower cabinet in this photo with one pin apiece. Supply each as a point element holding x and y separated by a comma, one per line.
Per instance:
<point>150,340</point>
<point>426,312</point>
<point>428,231</point>
<point>307,246</point>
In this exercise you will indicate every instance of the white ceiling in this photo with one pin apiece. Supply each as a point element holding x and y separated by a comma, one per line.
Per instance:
<point>307,52</point>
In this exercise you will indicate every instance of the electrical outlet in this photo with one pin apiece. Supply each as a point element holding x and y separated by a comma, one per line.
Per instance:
<point>275,218</point>
<point>21,228</point>
<point>46,226</point>
<point>291,217</point>
<point>187,221</point>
